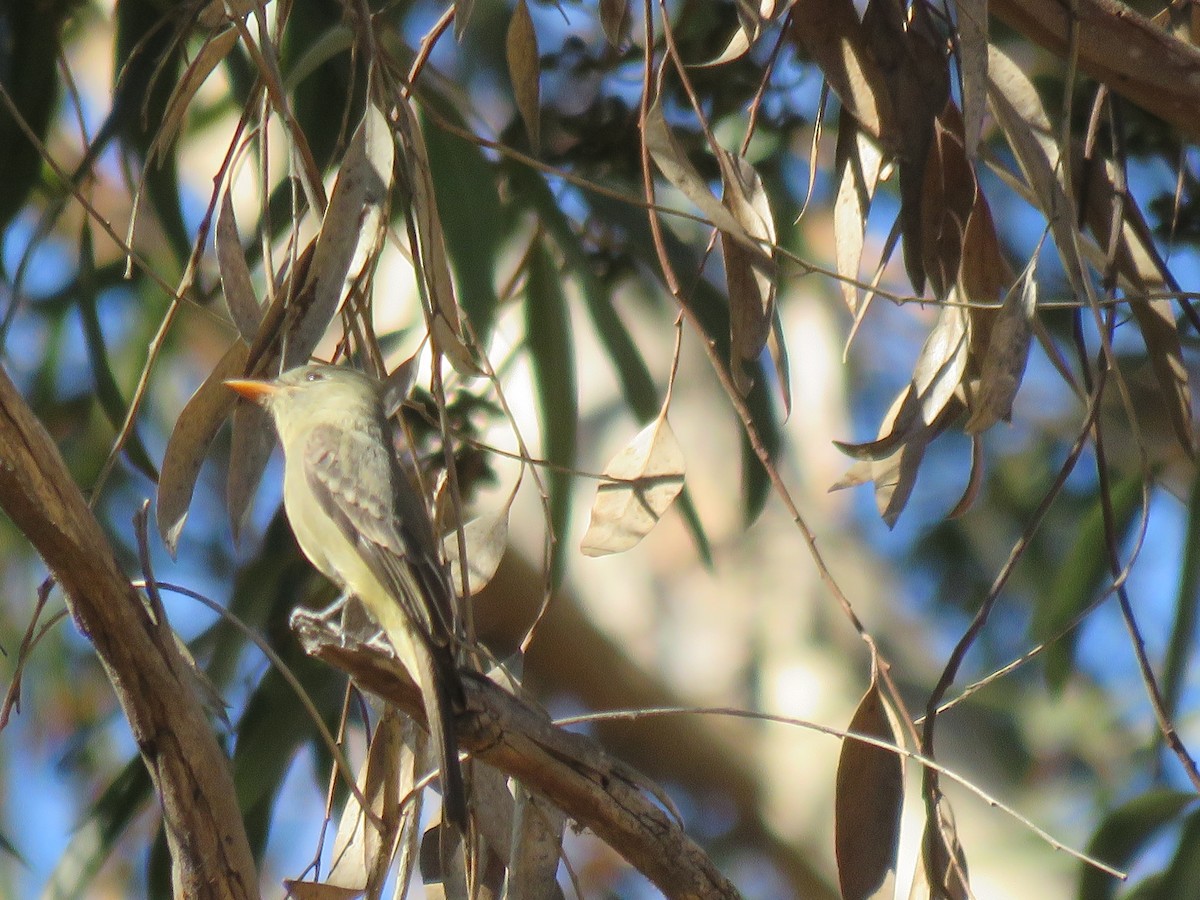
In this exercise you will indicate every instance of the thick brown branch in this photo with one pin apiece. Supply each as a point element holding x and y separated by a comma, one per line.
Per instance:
<point>1120,48</point>
<point>571,771</point>
<point>209,851</point>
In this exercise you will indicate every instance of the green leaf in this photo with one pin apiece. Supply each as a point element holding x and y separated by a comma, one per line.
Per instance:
<point>1183,632</point>
<point>474,223</point>
<point>551,347</point>
<point>148,66</point>
<point>1081,574</point>
<point>28,71</point>
<point>1124,832</point>
<point>1182,877</point>
<point>108,393</point>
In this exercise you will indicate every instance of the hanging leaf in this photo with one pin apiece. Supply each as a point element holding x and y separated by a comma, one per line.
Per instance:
<point>947,199</point>
<point>646,477</point>
<point>216,48</point>
<point>487,540</point>
<point>943,360</point>
<point>445,322</point>
<point>536,848</point>
<point>1007,354</point>
<point>352,230</point>
<point>548,335</point>
<point>858,161</point>
<point>1022,117</point>
<point>674,164</point>
<point>833,36</point>
<point>616,21</point>
<point>750,276</point>
<point>944,870</point>
<point>972,23</point>
<point>524,69</point>
<point>236,283</point>
<point>190,439</point>
<point>868,799</point>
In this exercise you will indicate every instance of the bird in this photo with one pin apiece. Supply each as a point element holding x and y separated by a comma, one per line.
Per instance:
<point>363,525</point>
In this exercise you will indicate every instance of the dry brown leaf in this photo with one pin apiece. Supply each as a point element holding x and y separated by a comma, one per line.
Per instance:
<point>646,477</point>
<point>524,70</point>
<point>972,22</point>
<point>487,540</point>
<point>536,848</point>
<point>190,439</point>
<point>832,35</point>
<point>1007,353</point>
<point>858,165</point>
<point>236,283</point>
<point>947,199</point>
<point>1021,116</point>
<point>910,55</point>
<point>943,361</point>
<point>1142,270</point>
<point>674,164</point>
<point>869,798</point>
<point>215,49</point>
<point>616,21</point>
<point>750,276</point>
<point>352,230</point>
<point>944,862</point>
<point>984,276</point>
<point>314,890</point>
<point>361,855</point>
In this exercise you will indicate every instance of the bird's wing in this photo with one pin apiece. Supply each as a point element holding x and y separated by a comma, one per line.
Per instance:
<point>352,474</point>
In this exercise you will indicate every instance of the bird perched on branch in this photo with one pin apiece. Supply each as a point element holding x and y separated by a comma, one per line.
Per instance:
<point>360,522</point>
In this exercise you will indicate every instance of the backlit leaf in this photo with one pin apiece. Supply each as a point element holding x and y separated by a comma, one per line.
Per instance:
<point>646,477</point>
<point>524,69</point>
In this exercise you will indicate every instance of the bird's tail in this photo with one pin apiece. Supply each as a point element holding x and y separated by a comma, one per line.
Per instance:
<point>441,693</point>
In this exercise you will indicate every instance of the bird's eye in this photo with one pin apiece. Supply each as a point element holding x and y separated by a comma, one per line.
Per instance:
<point>314,375</point>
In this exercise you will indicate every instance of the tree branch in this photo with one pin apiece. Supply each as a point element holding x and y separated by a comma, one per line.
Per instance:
<point>570,770</point>
<point>210,855</point>
<point>1121,48</point>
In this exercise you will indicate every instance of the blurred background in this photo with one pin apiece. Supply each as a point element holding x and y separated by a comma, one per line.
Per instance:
<point>141,105</point>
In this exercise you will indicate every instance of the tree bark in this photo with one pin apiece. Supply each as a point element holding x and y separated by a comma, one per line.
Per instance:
<point>210,855</point>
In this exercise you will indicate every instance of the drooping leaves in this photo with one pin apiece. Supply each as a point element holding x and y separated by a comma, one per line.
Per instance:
<point>868,800</point>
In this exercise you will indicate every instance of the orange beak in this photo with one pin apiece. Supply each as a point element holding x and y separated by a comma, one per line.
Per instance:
<point>251,389</point>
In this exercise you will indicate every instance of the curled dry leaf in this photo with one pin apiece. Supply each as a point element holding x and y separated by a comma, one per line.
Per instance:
<point>868,801</point>
<point>524,69</point>
<point>749,276</point>
<point>1142,269</point>
<point>236,283</point>
<point>1006,356</point>
<point>944,870</point>
<point>750,24</point>
<point>487,539</point>
<point>646,477</point>
<point>361,854</point>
